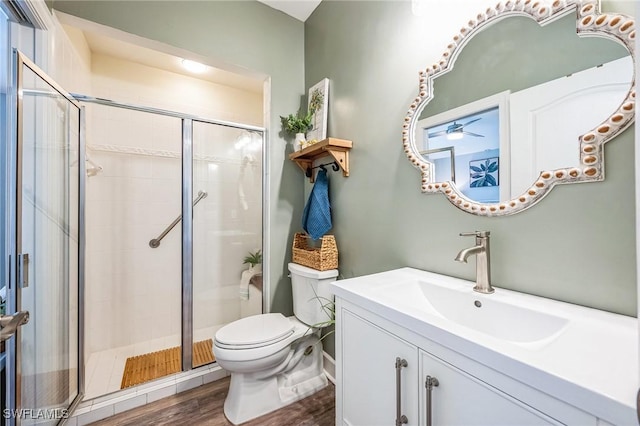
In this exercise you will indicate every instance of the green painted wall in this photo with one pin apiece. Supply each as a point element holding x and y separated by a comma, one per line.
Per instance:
<point>577,245</point>
<point>492,63</point>
<point>246,34</point>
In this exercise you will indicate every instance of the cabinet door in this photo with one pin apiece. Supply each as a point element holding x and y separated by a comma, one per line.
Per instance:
<point>461,399</point>
<point>369,374</point>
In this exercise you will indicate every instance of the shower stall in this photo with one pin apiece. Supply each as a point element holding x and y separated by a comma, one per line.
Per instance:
<point>173,205</point>
<point>127,224</point>
<point>124,227</point>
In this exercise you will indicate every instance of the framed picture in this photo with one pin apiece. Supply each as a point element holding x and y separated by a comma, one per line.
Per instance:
<point>485,172</point>
<point>319,97</point>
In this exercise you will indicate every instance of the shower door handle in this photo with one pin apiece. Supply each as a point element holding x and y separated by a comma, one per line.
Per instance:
<point>9,324</point>
<point>23,270</point>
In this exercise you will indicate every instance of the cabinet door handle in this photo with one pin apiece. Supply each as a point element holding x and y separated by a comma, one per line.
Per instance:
<point>430,383</point>
<point>400,418</point>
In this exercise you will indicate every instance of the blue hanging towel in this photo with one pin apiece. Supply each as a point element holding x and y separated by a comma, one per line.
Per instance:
<point>316,217</point>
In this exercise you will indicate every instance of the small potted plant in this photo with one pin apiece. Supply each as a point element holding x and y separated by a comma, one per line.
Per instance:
<point>254,260</point>
<point>298,124</point>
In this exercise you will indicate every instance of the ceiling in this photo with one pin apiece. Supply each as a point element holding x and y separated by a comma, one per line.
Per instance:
<point>299,9</point>
<point>105,45</point>
<point>108,46</point>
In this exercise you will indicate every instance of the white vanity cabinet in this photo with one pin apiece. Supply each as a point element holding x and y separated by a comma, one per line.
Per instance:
<point>369,381</point>
<point>468,393</point>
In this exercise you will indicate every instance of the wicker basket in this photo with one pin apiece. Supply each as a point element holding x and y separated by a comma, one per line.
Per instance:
<point>323,258</point>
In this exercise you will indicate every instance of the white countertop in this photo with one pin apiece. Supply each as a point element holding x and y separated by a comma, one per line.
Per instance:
<point>591,364</point>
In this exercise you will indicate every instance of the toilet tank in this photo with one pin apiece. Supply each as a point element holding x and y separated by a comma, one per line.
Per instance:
<point>310,291</point>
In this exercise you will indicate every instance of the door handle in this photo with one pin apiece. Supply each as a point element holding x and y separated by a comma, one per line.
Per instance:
<point>638,405</point>
<point>23,270</point>
<point>429,384</point>
<point>10,323</point>
<point>400,418</point>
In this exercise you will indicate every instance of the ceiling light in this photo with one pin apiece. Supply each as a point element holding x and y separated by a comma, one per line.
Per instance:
<point>455,135</point>
<point>193,66</point>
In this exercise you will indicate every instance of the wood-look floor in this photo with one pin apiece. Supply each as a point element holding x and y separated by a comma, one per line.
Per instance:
<point>204,406</point>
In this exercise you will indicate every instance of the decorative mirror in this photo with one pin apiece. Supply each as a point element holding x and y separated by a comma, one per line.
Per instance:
<point>536,92</point>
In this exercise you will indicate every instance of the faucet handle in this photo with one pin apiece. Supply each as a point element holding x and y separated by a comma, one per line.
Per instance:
<point>479,234</point>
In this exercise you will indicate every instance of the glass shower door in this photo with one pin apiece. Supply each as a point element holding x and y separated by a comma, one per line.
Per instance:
<point>133,250</point>
<point>227,227</point>
<point>47,361</point>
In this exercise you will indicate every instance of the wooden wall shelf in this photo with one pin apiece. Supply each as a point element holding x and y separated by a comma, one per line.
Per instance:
<point>336,148</point>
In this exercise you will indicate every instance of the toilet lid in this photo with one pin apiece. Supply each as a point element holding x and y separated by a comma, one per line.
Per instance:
<point>255,330</point>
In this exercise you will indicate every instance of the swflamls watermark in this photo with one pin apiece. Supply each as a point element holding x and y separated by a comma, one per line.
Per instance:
<point>36,413</point>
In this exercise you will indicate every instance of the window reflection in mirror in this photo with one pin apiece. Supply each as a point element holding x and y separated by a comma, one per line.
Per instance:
<point>475,140</point>
<point>459,142</point>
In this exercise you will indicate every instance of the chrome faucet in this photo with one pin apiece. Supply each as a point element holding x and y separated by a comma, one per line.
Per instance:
<point>483,260</point>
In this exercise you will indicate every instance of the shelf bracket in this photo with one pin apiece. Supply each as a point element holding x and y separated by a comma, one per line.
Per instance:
<point>336,148</point>
<point>342,158</point>
<point>304,165</point>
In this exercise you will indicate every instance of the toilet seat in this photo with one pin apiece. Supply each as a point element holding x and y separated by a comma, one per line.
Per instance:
<point>290,329</point>
<point>254,332</point>
<point>253,346</point>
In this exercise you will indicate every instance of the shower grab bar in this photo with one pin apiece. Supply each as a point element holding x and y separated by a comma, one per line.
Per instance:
<point>155,243</point>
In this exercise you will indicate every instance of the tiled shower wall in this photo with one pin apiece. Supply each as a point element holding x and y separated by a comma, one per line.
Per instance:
<point>132,291</point>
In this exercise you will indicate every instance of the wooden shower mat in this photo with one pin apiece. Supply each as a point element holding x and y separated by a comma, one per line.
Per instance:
<point>142,368</point>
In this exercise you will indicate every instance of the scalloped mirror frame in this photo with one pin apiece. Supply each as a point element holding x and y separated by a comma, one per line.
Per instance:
<point>589,22</point>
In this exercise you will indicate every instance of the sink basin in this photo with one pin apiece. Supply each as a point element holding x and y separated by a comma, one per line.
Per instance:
<point>489,314</point>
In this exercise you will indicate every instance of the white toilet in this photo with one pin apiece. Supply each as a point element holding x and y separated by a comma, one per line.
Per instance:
<point>276,360</point>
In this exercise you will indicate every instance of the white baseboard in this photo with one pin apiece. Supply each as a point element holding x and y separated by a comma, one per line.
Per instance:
<point>329,367</point>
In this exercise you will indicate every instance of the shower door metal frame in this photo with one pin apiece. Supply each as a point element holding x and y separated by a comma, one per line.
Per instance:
<point>187,208</point>
<point>187,244</point>
<point>14,351</point>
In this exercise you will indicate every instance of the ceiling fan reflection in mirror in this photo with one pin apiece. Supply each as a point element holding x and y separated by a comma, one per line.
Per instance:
<point>456,130</point>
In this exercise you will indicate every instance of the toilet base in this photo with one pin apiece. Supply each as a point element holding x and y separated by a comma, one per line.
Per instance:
<point>250,397</point>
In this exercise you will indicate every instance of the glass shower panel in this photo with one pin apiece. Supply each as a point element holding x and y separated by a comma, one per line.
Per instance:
<point>133,286</point>
<point>49,212</point>
<point>227,227</point>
